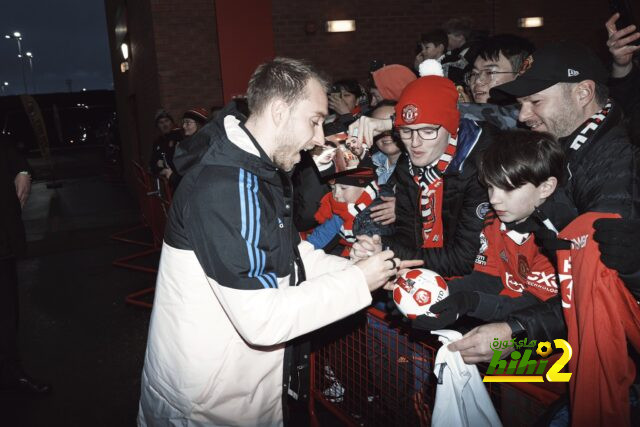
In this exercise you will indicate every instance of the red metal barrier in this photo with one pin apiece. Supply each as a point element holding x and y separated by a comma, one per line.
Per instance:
<point>153,217</point>
<point>125,236</point>
<point>375,375</point>
<point>128,236</point>
<point>161,204</point>
<point>154,196</point>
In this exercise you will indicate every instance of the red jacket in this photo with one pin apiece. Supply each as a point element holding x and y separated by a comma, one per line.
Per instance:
<point>516,260</point>
<point>601,317</point>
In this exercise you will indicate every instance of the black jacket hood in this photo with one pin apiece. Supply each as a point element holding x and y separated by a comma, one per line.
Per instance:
<point>211,146</point>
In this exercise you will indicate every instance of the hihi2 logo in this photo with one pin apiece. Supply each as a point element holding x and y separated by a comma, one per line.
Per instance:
<point>521,369</point>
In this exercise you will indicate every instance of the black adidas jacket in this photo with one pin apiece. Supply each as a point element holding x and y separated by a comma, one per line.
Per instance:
<point>236,288</point>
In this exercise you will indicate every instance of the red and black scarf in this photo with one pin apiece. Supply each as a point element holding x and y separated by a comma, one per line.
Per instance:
<point>589,127</point>
<point>429,179</point>
<point>347,211</point>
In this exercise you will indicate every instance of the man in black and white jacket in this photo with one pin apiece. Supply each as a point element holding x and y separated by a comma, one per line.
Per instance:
<point>235,283</point>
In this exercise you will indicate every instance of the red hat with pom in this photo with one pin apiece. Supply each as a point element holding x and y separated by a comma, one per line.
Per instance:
<point>431,99</point>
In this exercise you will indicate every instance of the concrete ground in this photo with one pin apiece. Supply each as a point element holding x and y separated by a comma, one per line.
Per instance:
<point>76,331</point>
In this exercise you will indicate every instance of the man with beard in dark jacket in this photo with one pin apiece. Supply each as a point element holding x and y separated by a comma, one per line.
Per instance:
<point>15,184</point>
<point>563,92</point>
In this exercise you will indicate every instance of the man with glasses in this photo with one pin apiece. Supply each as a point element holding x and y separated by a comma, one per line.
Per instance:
<point>499,60</point>
<point>440,204</point>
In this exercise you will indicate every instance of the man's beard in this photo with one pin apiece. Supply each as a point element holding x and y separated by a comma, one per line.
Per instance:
<point>566,121</point>
<point>284,155</point>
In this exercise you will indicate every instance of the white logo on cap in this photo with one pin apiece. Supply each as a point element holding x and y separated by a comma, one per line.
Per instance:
<point>573,73</point>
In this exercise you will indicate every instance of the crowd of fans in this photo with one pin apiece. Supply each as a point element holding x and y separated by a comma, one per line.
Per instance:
<point>473,162</point>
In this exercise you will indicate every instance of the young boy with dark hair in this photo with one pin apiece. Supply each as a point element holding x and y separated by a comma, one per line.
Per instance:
<point>432,45</point>
<point>521,171</point>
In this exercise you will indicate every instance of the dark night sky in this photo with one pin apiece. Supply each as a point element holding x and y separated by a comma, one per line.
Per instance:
<point>68,39</point>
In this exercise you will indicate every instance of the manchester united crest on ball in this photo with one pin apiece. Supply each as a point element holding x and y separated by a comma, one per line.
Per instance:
<point>409,113</point>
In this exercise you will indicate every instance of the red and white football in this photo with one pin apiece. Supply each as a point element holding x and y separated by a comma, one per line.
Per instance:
<point>417,290</point>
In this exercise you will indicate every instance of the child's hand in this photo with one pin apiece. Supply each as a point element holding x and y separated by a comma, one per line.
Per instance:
<point>365,246</point>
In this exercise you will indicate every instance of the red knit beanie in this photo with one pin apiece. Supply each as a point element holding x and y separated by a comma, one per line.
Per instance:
<point>430,99</point>
<point>391,80</point>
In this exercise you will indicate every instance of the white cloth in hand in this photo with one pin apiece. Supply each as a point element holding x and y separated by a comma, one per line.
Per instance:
<point>461,397</point>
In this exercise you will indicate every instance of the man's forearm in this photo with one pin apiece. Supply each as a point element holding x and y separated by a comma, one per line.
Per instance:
<point>543,321</point>
<point>620,71</point>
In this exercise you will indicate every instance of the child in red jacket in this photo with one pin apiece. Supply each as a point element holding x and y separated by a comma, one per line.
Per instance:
<point>345,211</point>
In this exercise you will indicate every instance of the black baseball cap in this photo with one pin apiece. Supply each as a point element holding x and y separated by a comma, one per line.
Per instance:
<point>562,62</point>
<point>357,177</point>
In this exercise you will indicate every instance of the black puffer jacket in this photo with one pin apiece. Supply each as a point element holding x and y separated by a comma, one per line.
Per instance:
<point>604,176</point>
<point>604,172</point>
<point>463,208</point>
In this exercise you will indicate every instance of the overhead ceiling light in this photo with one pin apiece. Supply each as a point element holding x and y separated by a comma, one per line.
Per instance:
<point>125,50</point>
<point>531,22</point>
<point>341,26</point>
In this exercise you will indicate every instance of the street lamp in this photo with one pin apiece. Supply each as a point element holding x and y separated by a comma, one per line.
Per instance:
<point>29,56</point>
<point>4,87</point>
<point>18,37</point>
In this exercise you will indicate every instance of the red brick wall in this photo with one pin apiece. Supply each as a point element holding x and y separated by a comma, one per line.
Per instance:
<point>174,63</point>
<point>245,40</point>
<point>136,90</point>
<point>578,20</point>
<point>175,57</point>
<point>187,54</point>
<point>388,29</point>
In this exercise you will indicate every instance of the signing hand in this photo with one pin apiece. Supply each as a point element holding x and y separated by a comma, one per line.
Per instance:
<point>378,268</point>
<point>385,213</point>
<point>474,346</point>
<point>619,44</point>
<point>23,187</point>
